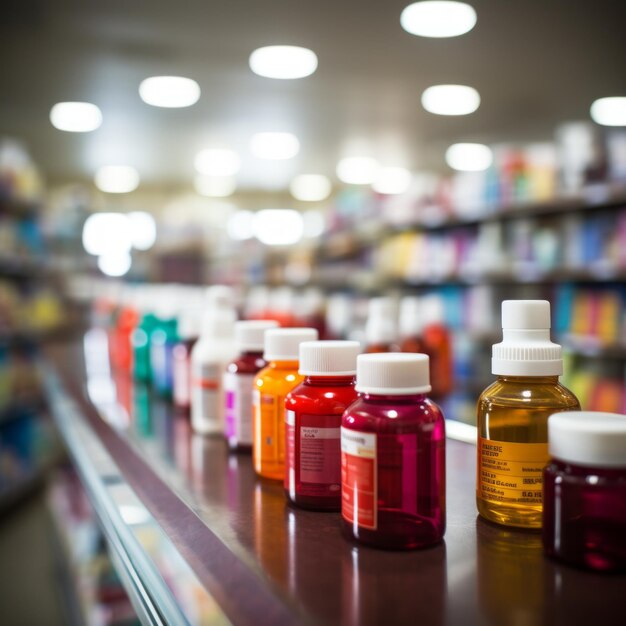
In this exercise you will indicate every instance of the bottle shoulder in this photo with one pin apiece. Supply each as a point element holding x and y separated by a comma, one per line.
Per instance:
<point>368,415</point>
<point>524,392</point>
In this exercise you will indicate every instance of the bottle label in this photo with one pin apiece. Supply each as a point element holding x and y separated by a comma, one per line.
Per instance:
<point>268,415</point>
<point>207,394</point>
<point>313,454</point>
<point>511,472</point>
<point>238,403</point>
<point>359,478</point>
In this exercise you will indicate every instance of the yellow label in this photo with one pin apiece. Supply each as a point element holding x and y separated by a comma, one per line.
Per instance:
<point>511,472</point>
<point>271,428</point>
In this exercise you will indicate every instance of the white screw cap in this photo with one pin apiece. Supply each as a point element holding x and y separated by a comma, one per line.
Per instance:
<point>328,358</point>
<point>283,344</point>
<point>381,321</point>
<point>411,323</point>
<point>250,335</point>
<point>526,349</point>
<point>588,438</point>
<point>392,373</point>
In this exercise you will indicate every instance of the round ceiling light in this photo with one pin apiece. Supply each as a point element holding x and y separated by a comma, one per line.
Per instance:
<point>392,180</point>
<point>469,157</point>
<point>142,229</point>
<point>274,146</point>
<point>278,227</point>
<point>609,111</point>
<point>75,117</point>
<point>310,187</point>
<point>357,170</point>
<point>169,92</point>
<point>217,162</point>
<point>451,99</point>
<point>438,18</point>
<point>215,186</point>
<point>116,264</point>
<point>117,179</point>
<point>283,62</point>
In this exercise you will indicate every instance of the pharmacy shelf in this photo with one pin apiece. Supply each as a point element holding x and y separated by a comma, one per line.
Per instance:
<point>18,207</point>
<point>27,338</point>
<point>258,560</point>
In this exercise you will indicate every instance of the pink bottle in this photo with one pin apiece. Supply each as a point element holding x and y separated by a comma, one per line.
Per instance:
<point>393,455</point>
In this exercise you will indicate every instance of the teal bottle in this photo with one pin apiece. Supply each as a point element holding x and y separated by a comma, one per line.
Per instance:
<point>140,339</point>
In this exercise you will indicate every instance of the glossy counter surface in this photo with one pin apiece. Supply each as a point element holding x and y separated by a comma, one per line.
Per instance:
<point>250,558</point>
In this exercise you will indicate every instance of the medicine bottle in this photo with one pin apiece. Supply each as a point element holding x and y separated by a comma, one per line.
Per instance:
<point>381,332</point>
<point>239,381</point>
<point>411,325</point>
<point>189,330</point>
<point>437,344</point>
<point>513,416</point>
<point>393,455</point>
<point>313,413</point>
<point>271,385</point>
<point>584,498</point>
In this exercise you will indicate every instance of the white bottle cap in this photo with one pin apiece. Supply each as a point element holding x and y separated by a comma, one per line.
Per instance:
<point>526,349</point>
<point>381,321</point>
<point>250,335</point>
<point>219,295</point>
<point>219,323</point>
<point>328,358</point>
<point>283,344</point>
<point>411,324</point>
<point>588,438</point>
<point>432,310</point>
<point>392,373</point>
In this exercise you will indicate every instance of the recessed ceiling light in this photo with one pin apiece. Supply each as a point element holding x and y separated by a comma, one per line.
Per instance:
<point>241,226</point>
<point>117,179</point>
<point>609,111</point>
<point>357,170</point>
<point>116,264</point>
<point>283,62</point>
<point>310,187</point>
<point>75,117</point>
<point>142,229</point>
<point>392,180</point>
<point>107,233</point>
<point>217,162</point>
<point>170,92</point>
<point>469,157</point>
<point>274,146</point>
<point>215,186</point>
<point>278,227</point>
<point>436,18</point>
<point>450,99</point>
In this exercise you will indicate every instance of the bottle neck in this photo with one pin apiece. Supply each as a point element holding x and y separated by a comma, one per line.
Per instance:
<point>529,379</point>
<point>284,365</point>
<point>329,381</point>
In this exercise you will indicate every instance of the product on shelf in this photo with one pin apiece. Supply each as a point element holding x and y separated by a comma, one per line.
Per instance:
<point>271,386</point>
<point>584,505</point>
<point>313,413</point>
<point>381,331</point>
<point>513,416</point>
<point>239,381</point>
<point>393,455</point>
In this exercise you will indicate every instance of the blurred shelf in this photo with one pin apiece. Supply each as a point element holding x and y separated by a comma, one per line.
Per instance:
<point>23,268</point>
<point>27,338</point>
<point>18,207</point>
<point>27,484</point>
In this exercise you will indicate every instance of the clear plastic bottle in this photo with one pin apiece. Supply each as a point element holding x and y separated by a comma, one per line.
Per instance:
<point>393,455</point>
<point>513,416</point>
<point>271,385</point>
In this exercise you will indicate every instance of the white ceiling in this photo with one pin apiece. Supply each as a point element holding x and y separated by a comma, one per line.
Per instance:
<point>535,64</point>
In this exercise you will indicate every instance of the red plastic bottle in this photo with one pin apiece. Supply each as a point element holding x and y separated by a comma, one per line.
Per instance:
<point>437,344</point>
<point>239,382</point>
<point>393,455</point>
<point>313,413</point>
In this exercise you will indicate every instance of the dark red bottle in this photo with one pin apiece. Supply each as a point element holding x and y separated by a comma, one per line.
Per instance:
<point>313,413</point>
<point>584,490</point>
<point>393,455</point>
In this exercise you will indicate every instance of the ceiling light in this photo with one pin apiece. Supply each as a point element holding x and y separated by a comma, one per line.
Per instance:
<point>170,92</point>
<point>310,187</point>
<point>434,18</point>
<point>117,179</point>
<point>274,146</point>
<point>107,233</point>
<point>116,264</point>
<point>215,186</point>
<point>609,111</point>
<point>283,62</point>
<point>75,117</point>
<point>278,227</point>
<point>357,170</point>
<point>217,162</point>
<point>241,225</point>
<point>142,230</point>
<point>469,157</point>
<point>392,180</point>
<point>450,99</point>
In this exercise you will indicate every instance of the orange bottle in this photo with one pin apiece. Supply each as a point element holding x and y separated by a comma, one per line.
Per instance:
<point>271,385</point>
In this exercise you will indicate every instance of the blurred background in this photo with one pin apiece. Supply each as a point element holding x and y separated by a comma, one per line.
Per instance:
<point>315,157</point>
